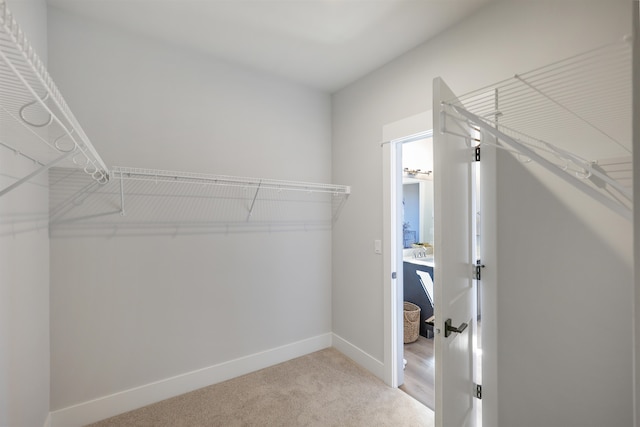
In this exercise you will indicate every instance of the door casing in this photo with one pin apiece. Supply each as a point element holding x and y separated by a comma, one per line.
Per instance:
<point>393,133</point>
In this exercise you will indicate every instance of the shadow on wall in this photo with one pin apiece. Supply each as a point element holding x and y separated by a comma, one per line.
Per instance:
<point>18,213</point>
<point>81,207</point>
<point>15,223</point>
<point>562,269</point>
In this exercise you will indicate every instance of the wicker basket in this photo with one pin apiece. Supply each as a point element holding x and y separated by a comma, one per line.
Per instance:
<point>411,322</point>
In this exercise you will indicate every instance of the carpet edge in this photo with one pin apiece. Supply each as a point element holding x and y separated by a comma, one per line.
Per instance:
<point>117,403</point>
<point>359,356</point>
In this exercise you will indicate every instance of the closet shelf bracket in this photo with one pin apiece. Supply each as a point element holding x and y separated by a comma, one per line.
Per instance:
<point>122,213</point>
<point>253,202</point>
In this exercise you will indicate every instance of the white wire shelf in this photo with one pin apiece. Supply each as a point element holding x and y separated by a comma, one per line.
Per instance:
<point>147,201</point>
<point>37,124</point>
<point>36,121</point>
<point>154,175</point>
<point>581,104</point>
<point>573,117</point>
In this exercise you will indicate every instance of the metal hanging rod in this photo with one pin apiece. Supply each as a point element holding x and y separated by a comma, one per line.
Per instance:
<point>35,118</point>
<point>163,176</point>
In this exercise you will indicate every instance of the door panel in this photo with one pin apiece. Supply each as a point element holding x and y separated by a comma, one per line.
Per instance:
<point>455,296</point>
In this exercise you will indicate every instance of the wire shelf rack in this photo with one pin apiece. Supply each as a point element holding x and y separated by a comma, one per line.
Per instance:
<point>574,117</point>
<point>36,121</point>
<point>148,201</point>
<point>38,125</point>
<point>164,176</point>
<point>581,104</point>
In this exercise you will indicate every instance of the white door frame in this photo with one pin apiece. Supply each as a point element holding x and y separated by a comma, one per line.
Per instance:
<point>416,126</point>
<point>393,331</point>
<point>393,342</point>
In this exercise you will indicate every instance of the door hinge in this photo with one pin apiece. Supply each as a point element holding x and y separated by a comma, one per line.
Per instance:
<point>478,391</point>
<point>477,270</point>
<point>477,153</point>
<point>394,275</point>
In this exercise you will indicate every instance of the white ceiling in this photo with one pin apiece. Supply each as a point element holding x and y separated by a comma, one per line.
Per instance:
<point>326,44</point>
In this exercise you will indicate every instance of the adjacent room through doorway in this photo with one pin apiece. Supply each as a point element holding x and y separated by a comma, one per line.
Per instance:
<point>415,246</point>
<point>417,268</point>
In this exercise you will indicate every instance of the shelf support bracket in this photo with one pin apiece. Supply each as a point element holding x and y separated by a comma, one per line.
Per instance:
<point>255,196</point>
<point>37,172</point>
<point>121,195</point>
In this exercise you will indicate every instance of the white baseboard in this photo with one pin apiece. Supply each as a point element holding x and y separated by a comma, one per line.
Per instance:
<point>359,356</point>
<point>47,422</point>
<point>127,400</point>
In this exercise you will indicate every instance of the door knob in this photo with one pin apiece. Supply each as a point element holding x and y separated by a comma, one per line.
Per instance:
<point>448,329</point>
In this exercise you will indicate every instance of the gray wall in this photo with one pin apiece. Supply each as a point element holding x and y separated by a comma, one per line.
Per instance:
<point>24,270</point>
<point>128,311</point>
<point>636,194</point>
<point>563,260</point>
<point>503,39</point>
<point>156,295</point>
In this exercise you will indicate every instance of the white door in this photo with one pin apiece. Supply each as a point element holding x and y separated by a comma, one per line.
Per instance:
<point>455,297</point>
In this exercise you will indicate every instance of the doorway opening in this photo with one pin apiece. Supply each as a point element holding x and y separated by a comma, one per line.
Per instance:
<point>417,268</point>
<point>412,259</point>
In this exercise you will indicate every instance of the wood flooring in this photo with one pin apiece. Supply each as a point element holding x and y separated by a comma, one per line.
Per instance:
<point>419,374</point>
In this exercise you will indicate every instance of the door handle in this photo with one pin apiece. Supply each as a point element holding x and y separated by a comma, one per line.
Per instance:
<point>448,329</point>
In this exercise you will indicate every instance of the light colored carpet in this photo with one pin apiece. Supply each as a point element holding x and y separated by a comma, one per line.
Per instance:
<point>320,389</point>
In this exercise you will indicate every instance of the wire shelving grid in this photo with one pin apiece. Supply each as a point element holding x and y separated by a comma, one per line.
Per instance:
<point>35,119</point>
<point>573,115</point>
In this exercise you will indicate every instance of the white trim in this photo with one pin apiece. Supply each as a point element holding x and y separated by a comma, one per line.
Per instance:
<point>126,400</point>
<point>408,126</point>
<point>359,356</point>
<point>392,263</point>
<point>489,300</point>
<point>417,125</point>
<point>47,422</point>
<point>635,133</point>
